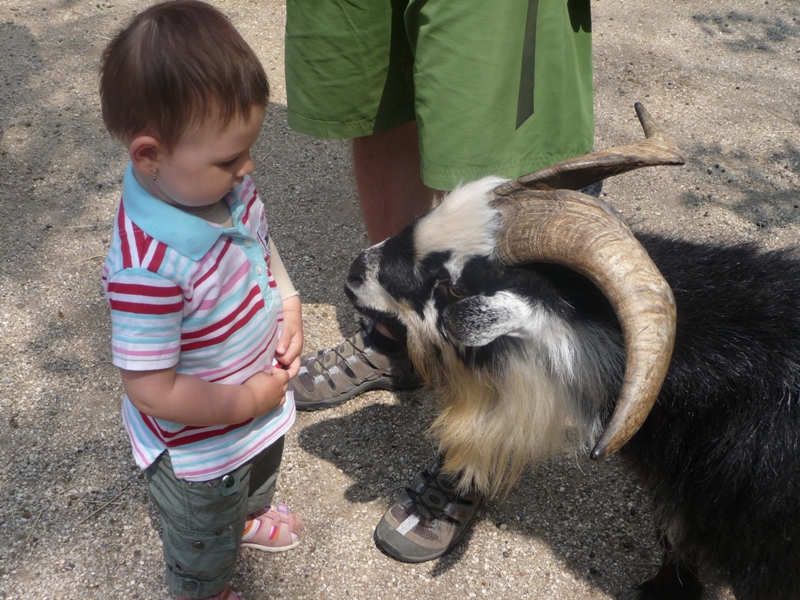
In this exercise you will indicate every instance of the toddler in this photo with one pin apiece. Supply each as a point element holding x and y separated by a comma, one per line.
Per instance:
<point>205,323</point>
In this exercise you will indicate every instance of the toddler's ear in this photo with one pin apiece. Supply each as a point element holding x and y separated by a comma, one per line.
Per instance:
<point>145,152</point>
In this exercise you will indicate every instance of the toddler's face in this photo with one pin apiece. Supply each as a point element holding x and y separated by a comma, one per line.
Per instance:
<point>209,160</point>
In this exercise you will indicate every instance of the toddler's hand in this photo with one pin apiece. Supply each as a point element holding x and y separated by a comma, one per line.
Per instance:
<point>290,344</point>
<point>292,368</point>
<point>268,390</point>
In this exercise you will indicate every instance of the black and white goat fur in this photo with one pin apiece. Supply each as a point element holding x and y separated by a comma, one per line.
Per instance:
<point>528,360</point>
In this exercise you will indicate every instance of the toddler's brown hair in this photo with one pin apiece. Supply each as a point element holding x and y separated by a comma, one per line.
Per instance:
<point>175,64</point>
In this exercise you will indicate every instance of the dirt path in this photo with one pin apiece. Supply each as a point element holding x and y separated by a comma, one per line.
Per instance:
<point>725,82</point>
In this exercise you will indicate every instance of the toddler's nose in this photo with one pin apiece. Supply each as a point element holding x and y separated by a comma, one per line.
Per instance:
<point>247,167</point>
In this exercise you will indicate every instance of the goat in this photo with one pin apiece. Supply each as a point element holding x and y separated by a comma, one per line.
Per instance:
<point>545,324</point>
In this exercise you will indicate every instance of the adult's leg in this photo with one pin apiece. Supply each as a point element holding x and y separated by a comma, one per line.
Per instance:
<point>463,135</point>
<point>349,75</point>
<point>391,195</point>
<point>390,189</point>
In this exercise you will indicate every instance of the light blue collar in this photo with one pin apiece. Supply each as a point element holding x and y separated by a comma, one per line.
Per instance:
<point>186,233</point>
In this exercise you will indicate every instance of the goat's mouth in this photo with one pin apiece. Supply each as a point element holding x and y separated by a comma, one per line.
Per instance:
<point>389,320</point>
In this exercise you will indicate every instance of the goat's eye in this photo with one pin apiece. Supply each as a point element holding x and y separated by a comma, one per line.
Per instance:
<point>446,286</point>
<point>455,291</point>
<point>442,286</point>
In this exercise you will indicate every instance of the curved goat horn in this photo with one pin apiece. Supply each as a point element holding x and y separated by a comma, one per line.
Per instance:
<point>576,173</point>
<point>585,234</point>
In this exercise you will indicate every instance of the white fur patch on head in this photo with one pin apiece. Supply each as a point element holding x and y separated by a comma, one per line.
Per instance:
<point>555,339</point>
<point>463,223</point>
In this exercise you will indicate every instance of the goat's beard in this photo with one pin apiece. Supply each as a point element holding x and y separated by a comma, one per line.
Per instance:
<point>493,424</point>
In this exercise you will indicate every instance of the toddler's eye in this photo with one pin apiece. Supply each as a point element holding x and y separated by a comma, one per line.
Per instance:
<point>229,163</point>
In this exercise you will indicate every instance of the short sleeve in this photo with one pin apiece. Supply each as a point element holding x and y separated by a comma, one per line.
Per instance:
<point>146,316</point>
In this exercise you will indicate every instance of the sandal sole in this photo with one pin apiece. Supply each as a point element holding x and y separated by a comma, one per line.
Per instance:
<point>384,383</point>
<point>270,548</point>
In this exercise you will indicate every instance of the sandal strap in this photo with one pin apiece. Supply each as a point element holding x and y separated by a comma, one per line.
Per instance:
<point>353,356</point>
<point>276,529</point>
<point>352,362</point>
<point>435,498</point>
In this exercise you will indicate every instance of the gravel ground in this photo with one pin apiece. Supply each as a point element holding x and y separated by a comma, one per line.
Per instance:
<point>723,78</point>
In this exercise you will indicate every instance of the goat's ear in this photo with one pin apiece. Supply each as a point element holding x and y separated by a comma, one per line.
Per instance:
<point>479,320</point>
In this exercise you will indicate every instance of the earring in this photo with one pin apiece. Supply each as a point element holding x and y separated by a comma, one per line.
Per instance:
<point>155,175</point>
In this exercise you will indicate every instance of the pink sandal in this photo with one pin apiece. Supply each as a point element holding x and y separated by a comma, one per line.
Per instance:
<point>275,530</point>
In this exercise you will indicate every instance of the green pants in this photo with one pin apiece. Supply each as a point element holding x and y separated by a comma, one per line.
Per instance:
<point>497,88</point>
<point>202,522</point>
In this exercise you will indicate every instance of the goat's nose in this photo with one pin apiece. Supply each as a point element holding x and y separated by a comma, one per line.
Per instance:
<point>357,271</point>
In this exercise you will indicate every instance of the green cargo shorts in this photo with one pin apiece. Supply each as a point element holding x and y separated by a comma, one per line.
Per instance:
<point>202,522</point>
<point>498,88</point>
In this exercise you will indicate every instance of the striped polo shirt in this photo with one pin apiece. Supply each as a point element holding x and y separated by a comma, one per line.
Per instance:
<point>199,297</point>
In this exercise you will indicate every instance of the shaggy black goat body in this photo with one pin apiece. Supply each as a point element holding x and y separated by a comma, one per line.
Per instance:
<point>720,450</point>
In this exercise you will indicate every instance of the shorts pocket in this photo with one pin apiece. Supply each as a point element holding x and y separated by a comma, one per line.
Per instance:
<point>200,563</point>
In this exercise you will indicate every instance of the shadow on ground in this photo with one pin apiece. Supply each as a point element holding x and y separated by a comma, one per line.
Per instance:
<point>381,447</point>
